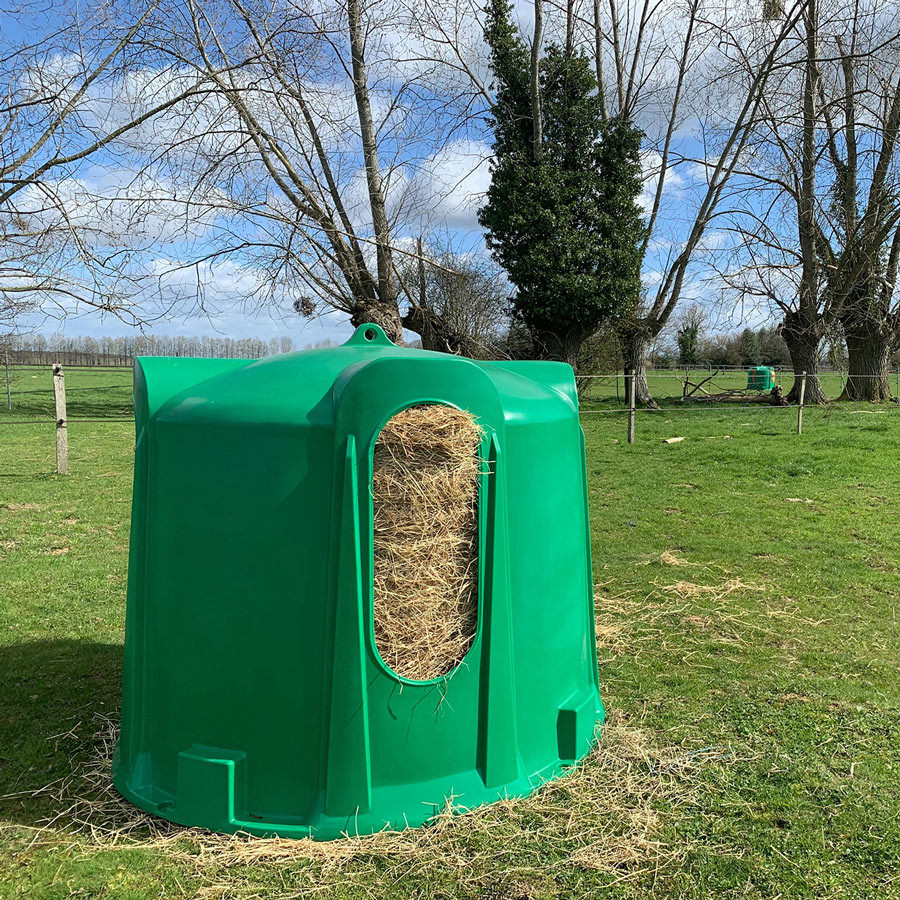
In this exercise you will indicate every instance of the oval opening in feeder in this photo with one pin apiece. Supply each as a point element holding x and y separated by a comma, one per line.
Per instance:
<point>426,473</point>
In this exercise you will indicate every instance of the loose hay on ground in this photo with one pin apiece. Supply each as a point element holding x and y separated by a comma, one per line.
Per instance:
<point>688,590</point>
<point>668,558</point>
<point>425,497</point>
<point>604,816</point>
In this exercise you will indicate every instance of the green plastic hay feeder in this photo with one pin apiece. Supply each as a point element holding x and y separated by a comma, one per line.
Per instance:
<point>760,378</point>
<point>254,698</point>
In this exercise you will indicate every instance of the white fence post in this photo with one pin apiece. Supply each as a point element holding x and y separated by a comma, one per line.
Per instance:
<point>630,379</point>
<point>800,407</point>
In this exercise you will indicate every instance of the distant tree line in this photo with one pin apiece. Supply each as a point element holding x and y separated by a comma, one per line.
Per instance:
<point>37,349</point>
<point>602,354</point>
<point>690,345</point>
<point>748,347</point>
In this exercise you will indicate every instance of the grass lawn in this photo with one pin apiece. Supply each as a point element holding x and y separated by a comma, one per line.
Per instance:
<point>747,589</point>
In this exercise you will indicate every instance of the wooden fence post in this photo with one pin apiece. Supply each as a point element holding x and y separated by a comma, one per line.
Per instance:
<point>8,394</point>
<point>800,407</point>
<point>62,432</point>
<point>630,379</point>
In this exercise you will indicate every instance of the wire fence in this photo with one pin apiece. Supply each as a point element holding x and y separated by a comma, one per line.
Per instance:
<point>702,387</point>
<point>31,395</point>
<point>27,394</point>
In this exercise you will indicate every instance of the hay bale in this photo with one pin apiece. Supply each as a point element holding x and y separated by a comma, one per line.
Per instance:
<point>425,491</point>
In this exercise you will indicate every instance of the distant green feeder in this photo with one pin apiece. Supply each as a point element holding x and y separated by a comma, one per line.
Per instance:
<point>254,697</point>
<point>760,378</point>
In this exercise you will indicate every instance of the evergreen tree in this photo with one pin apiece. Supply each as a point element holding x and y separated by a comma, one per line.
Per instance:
<point>563,222</point>
<point>751,348</point>
<point>688,338</point>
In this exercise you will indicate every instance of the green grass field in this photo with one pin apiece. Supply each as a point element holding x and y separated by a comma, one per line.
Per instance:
<point>747,589</point>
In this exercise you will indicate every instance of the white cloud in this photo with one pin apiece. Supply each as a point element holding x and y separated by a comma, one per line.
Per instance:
<point>115,207</point>
<point>213,280</point>
<point>450,186</point>
<point>651,170</point>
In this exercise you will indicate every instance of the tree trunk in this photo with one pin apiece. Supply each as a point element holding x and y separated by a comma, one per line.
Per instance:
<point>868,368</point>
<point>803,346</point>
<point>436,334</point>
<point>387,286</point>
<point>536,114</point>
<point>564,349</point>
<point>387,315</point>
<point>634,354</point>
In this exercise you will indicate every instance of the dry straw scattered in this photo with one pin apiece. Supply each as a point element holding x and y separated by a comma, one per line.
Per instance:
<point>687,590</point>
<point>668,558</point>
<point>425,493</point>
<point>605,816</point>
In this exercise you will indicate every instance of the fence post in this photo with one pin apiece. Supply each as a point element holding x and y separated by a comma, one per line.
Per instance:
<point>62,433</point>
<point>630,379</point>
<point>800,407</point>
<point>8,394</point>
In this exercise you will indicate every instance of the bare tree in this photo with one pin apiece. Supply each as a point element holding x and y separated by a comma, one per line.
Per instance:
<point>820,218</point>
<point>785,158</point>
<point>319,143</point>
<point>458,301</point>
<point>644,40</point>
<point>50,125</point>
<point>861,261</point>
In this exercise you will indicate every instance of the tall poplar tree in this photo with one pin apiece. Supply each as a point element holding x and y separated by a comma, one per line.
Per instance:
<point>561,217</point>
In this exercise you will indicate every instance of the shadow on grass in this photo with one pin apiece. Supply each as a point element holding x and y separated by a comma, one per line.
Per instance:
<point>50,693</point>
<point>102,407</point>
